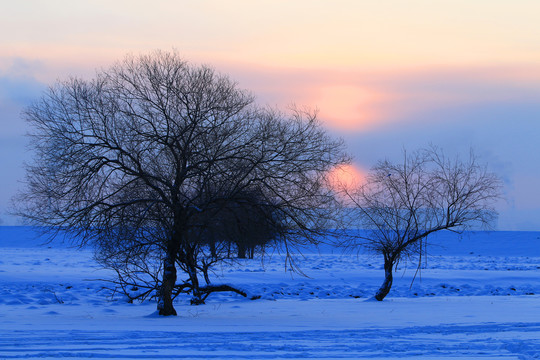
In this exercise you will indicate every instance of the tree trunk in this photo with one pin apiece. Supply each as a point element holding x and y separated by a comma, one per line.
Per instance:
<point>165,302</point>
<point>241,250</point>
<point>213,251</point>
<point>388,278</point>
<point>197,298</point>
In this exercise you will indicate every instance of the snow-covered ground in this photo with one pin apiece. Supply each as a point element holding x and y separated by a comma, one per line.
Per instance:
<point>477,297</point>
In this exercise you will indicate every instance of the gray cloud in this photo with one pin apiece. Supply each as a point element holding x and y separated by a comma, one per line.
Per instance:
<point>18,87</point>
<point>504,135</point>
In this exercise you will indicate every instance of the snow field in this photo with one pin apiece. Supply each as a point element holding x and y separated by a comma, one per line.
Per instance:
<point>473,303</point>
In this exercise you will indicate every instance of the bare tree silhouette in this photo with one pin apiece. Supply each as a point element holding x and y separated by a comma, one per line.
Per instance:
<point>401,204</point>
<point>136,159</point>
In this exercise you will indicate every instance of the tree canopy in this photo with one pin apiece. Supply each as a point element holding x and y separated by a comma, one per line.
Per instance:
<point>141,157</point>
<point>401,204</point>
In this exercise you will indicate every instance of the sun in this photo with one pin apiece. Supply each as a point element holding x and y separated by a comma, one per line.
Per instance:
<point>346,177</point>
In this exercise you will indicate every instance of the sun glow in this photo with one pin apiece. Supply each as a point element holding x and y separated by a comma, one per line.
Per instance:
<point>347,177</point>
<point>349,107</point>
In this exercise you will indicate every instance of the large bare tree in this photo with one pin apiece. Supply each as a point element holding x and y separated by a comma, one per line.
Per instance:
<point>401,204</point>
<point>132,160</point>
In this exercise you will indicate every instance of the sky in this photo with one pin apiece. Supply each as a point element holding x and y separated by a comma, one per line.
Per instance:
<point>385,76</point>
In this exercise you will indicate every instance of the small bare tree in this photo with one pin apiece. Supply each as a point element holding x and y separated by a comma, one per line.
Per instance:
<point>400,205</point>
<point>131,160</point>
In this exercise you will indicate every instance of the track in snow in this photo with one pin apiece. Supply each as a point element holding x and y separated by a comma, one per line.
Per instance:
<point>487,341</point>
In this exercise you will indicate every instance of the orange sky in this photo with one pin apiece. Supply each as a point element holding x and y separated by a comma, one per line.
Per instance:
<point>352,54</point>
<point>384,75</point>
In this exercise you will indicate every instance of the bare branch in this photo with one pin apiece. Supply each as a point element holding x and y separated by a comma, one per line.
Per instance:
<point>162,165</point>
<point>402,204</point>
